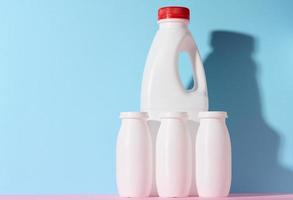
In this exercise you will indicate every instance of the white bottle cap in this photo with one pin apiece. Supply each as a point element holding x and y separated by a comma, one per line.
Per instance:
<point>212,114</point>
<point>134,115</point>
<point>173,115</point>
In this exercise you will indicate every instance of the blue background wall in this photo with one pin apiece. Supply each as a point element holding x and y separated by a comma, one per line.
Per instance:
<point>67,68</point>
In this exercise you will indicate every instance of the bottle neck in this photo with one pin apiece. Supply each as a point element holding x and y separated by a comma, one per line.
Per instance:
<point>173,23</point>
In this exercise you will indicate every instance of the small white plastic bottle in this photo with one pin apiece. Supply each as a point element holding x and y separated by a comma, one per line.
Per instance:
<point>173,156</point>
<point>134,168</point>
<point>213,155</point>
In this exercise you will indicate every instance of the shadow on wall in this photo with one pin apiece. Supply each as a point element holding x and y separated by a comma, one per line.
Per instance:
<point>232,85</point>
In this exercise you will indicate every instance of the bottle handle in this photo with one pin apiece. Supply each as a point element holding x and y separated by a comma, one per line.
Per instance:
<point>188,45</point>
<point>198,70</point>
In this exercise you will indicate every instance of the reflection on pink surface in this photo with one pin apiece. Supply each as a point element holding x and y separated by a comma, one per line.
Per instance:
<point>111,197</point>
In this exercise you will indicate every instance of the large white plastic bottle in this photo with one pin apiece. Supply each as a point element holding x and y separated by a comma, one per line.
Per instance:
<point>162,90</point>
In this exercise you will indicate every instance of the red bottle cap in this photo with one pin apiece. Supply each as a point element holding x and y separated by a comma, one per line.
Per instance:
<point>173,12</point>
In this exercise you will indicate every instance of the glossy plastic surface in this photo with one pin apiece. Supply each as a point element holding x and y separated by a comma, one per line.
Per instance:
<point>134,167</point>
<point>173,157</point>
<point>213,155</point>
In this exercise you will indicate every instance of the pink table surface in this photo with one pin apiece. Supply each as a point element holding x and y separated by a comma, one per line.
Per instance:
<point>112,197</point>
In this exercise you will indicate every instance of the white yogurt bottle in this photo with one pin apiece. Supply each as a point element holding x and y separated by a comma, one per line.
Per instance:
<point>134,161</point>
<point>173,156</point>
<point>213,155</point>
<point>162,90</point>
